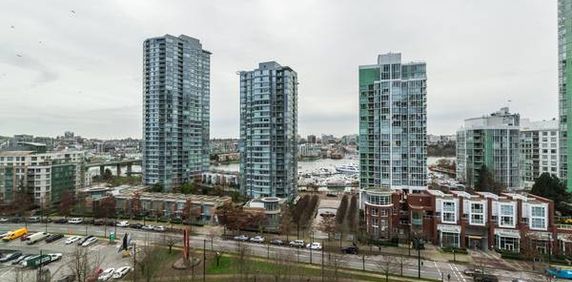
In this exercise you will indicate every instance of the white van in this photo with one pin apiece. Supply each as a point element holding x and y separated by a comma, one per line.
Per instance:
<point>75,220</point>
<point>37,237</point>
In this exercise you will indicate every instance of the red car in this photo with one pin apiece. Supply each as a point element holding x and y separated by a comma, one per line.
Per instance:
<point>26,237</point>
<point>92,277</point>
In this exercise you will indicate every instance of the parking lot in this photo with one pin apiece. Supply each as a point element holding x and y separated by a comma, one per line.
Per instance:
<point>101,252</point>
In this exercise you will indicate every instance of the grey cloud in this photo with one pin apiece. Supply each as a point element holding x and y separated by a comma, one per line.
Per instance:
<point>478,53</point>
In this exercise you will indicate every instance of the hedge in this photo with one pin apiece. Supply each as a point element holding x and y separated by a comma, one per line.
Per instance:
<point>457,250</point>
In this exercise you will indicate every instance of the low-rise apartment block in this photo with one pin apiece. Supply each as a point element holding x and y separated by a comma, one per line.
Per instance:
<point>45,176</point>
<point>481,220</point>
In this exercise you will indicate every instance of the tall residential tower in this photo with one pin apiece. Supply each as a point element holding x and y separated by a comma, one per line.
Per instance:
<point>393,124</point>
<point>176,93</point>
<point>492,142</point>
<point>565,88</point>
<point>268,130</point>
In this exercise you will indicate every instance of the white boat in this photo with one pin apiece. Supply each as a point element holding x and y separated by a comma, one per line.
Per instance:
<point>347,168</point>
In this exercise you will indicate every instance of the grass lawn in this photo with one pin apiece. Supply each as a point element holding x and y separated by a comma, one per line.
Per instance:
<point>229,265</point>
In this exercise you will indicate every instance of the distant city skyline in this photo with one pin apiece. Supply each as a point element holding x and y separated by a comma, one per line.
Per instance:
<point>55,76</point>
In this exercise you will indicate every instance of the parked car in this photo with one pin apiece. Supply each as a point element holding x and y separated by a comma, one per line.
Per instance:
<point>148,227</point>
<point>120,272</point>
<point>350,250</point>
<point>67,278</point>
<point>75,220</point>
<point>297,243</point>
<point>11,256</point>
<point>61,221</point>
<point>257,239</point>
<point>277,242</point>
<point>241,238</point>
<point>123,223</point>
<point>89,241</point>
<point>16,220</point>
<point>98,222</point>
<point>54,237</point>
<point>4,219</point>
<point>25,237</point>
<point>33,219</point>
<point>72,239</point>
<point>46,220</point>
<point>314,246</point>
<point>82,240</point>
<point>106,274</point>
<point>56,256</point>
<point>136,225</point>
<point>472,271</point>
<point>159,228</point>
<point>20,259</point>
<point>479,277</point>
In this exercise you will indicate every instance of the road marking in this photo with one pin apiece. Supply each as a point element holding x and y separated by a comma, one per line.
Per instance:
<point>438,270</point>
<point>458,275</point>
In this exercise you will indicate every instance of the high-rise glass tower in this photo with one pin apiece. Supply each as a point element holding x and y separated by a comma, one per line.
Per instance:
<point>176,93</point>
<point>392,124</point>
<point>268,130</point>
<point>565,88</point>
<point>491,141</point>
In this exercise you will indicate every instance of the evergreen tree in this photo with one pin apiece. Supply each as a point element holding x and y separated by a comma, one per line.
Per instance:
<point>157,187</point>
<point>549,186</point>
<point>486,182</point>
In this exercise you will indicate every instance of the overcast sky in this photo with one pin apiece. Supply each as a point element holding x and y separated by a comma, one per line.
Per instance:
<point>81,70</point>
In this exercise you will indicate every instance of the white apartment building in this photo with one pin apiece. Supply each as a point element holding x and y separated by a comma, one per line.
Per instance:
<point>540,149</point>
<point>44,175</point>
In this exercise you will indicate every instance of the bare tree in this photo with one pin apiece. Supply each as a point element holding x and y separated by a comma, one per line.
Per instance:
<point>328,225</point>
<point>84,264</point>
<point>66,203</point>
<point>170,241</point>
<point>213,233</point>
<point>335,262</point>
<point>286,224</point>
<point>243,265</point>
<point>147,257</point>
<point>386,264</point>
<point>402,262</point>
<point>284,267</point>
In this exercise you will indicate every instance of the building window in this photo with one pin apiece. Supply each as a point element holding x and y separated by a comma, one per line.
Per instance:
<point>477,214</point>
<point>417,218</point>
<point>379,200</point>
<point>449,239</point>
<point>538,217</point>
<point>508,243</point>
<point>448,214</point>
<point>506,216</point>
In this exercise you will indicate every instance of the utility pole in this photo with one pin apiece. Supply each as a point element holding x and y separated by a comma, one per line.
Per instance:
<point>134,261</point>
<point>204,260</point>
<point>418,262</point>
<point>322,261</point>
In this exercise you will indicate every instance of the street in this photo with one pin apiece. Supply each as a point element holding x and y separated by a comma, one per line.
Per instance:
<point>429,269</point>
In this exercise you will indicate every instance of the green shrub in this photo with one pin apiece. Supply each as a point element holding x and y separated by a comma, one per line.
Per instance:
<point>457,250</point>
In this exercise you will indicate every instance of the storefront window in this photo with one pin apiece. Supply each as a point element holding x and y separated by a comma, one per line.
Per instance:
<point>508,243</point>
<point>449,239</point>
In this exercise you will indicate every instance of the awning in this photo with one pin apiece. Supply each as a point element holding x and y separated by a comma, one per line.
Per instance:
<point>472,237</point>
<point>510,233</point>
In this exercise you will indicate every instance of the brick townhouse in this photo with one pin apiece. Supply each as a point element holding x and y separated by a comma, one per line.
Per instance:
<point>481,220</point>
